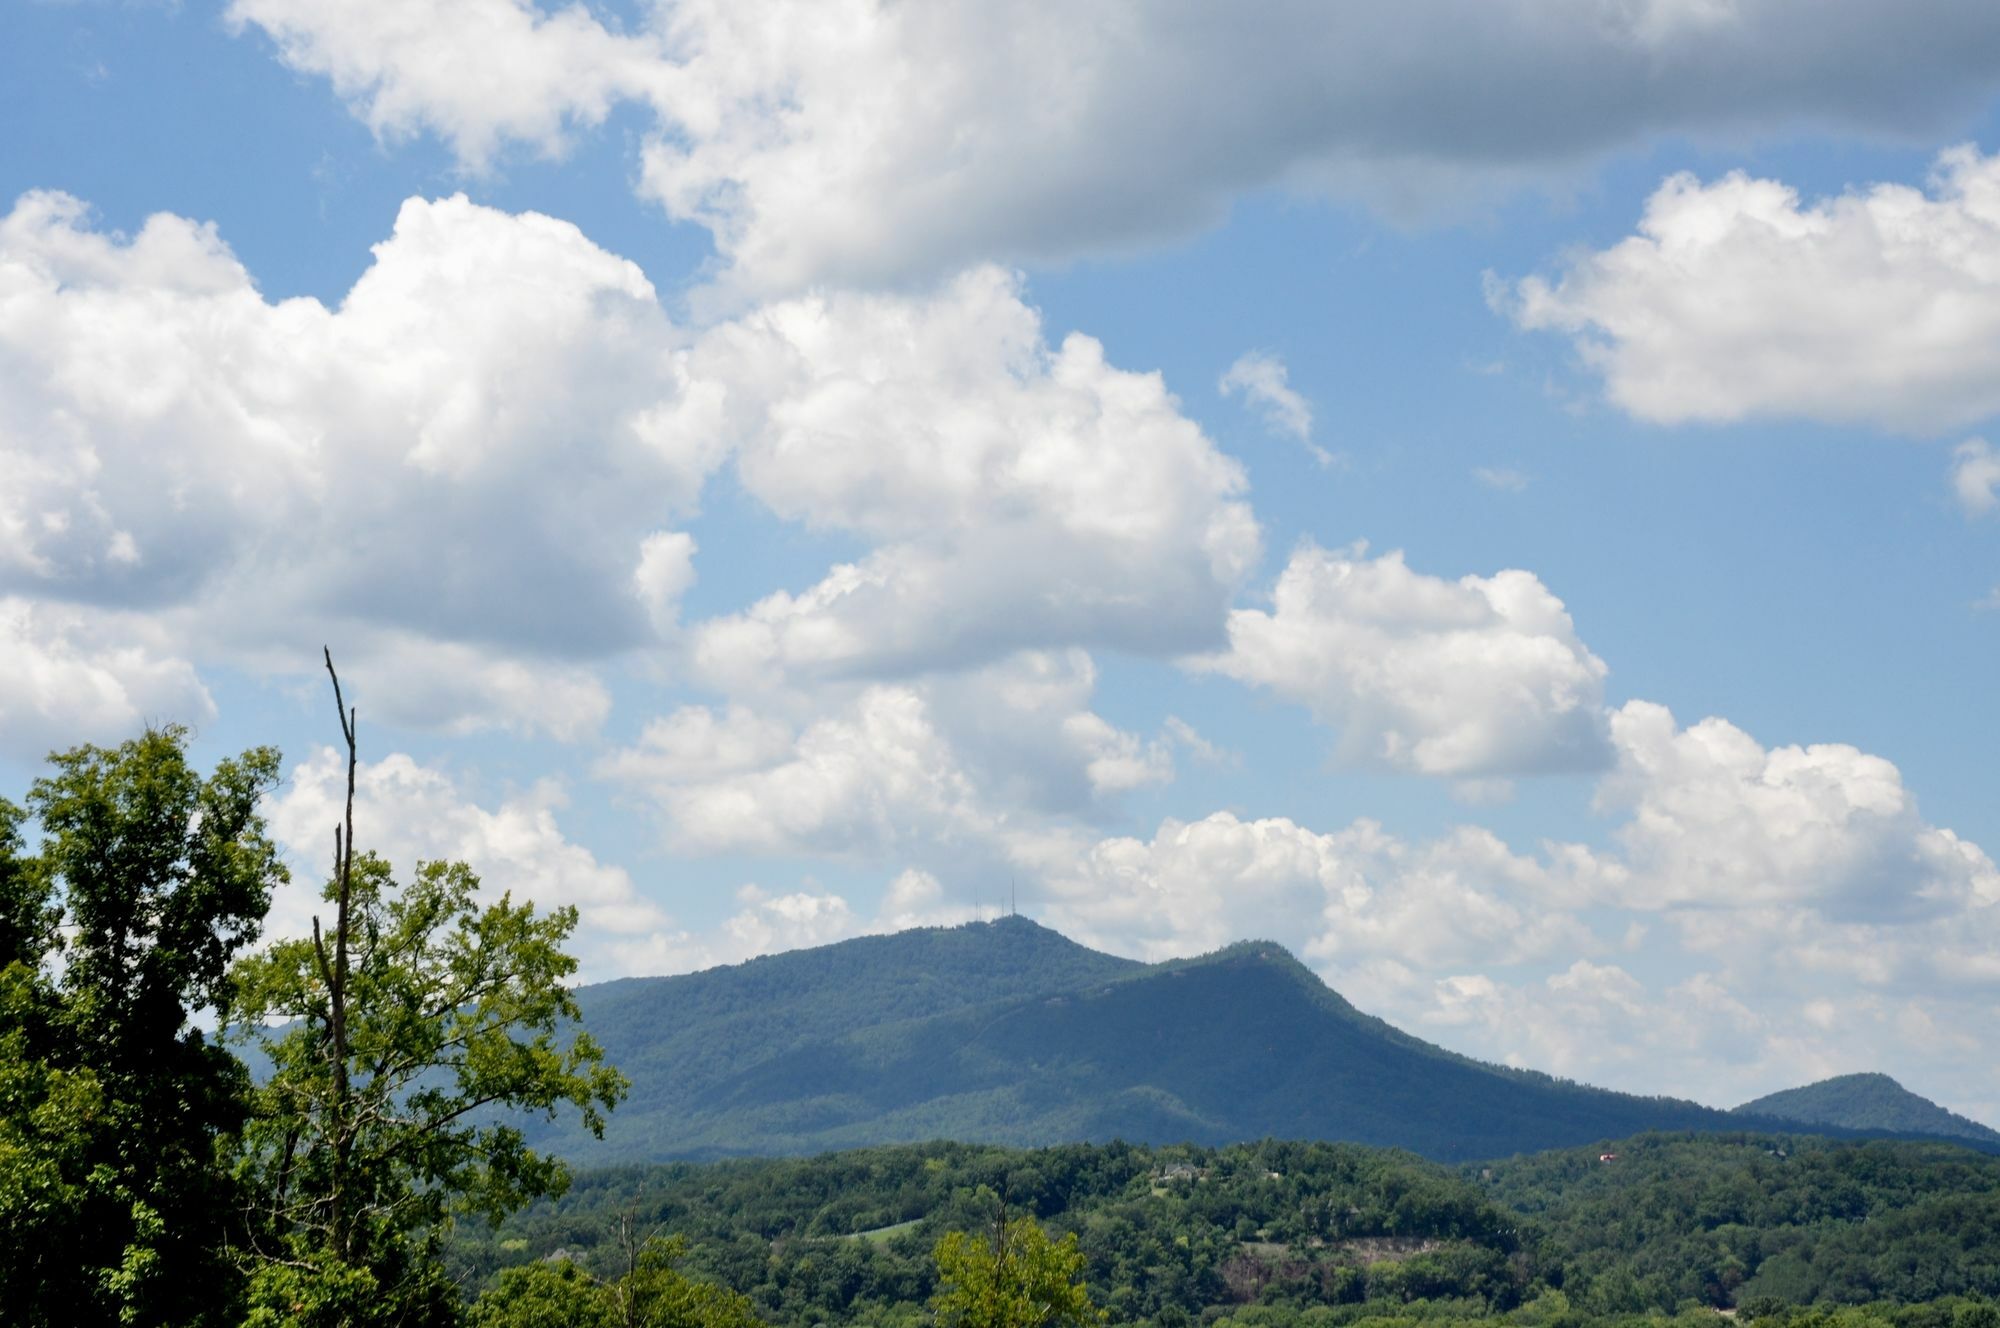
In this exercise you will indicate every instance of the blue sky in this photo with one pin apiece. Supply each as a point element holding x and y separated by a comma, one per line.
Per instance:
<point>1493,497</point>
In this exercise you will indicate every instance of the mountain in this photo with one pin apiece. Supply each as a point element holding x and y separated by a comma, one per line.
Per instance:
<point>686,1041</point>
<point>1007,1032</point>
<point>1868,1102</point>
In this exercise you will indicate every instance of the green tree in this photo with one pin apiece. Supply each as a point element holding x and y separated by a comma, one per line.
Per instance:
<point>652,1293</point>
<point>1017,1279</point>
<point>397,1044</point>
<point>549,1293</point>
<point>116,1112</point>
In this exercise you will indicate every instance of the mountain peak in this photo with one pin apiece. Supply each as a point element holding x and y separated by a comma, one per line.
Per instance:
<point>1006,1031</point>
<point>1867,1101</point>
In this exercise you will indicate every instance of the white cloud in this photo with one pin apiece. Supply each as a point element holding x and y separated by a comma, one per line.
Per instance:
<point>664,574</point>
<point>1812,919</point>
<point>1016,495</point>
<point>1769,916</point>
<point>1735,300</point>
<point>466,475</point>
<point>1186,735</point>
<point>1026,726</point>
<point>1501,478</point>
<point>1481,676</point>
<point>461,472</point>
<point>1516,958</point>
<point>917,899</point>
<point>1599,1023</point>
<point>1259,377</point>
<point>409,812</point>
<point>1716,819</point>
<point>1816,924</point>
<point>77,676</point>
<point>954,771</point>
<point>1946,954</point>
<point>697,743</point>
<point>1975,476</point>
<point>1343,900</point>
<point>475,72</point>
<point>456,687</point>
<point>857,140</point>
<point>872,780</point>
<point>768,923</point>
<point>1705,1034</point>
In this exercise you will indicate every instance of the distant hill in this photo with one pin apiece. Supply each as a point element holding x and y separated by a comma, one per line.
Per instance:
<point>1745,1217</point>
<point>1007,1032</point>
<point>1300,1235</point>
<point>1868,1102</point>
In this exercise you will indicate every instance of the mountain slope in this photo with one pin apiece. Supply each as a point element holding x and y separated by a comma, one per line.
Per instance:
<point>1243,1044</point>
<point>1008,1033</point>
<point>682,1040</point>
<point>1868,1102</point>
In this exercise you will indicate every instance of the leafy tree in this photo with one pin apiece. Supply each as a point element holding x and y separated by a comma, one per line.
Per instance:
<point>116,1112</point>
<point>395,1045</point>
<point>1019,1279</point>
<point>27,918</point>
<point>652,1293</point>
<point>550,1293</point>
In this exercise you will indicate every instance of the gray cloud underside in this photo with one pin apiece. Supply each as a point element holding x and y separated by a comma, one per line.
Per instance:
<point>861,141</point>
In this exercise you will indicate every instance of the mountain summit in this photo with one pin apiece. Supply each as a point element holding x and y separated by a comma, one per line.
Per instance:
<point>1868,1102</point>
<point>1007,1032</point>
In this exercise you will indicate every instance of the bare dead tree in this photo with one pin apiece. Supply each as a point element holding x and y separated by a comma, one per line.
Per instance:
<point>334,974</point>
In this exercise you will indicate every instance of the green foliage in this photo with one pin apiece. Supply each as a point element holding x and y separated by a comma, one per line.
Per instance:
<point>455,1010</point>
<point>655,1294</point>
<point>27,917</point>
<point>550,1293</point>
<point>1018,1279</point>
<point>1728,1219</point>
<point>405,1287</point>
<point>116,1202</point>
<point>144,1181</point>
<point>849,1237</point>
<point>1321,1234</point>
<point>652,1293</point>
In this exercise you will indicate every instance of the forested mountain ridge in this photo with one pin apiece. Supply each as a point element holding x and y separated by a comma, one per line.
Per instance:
<point>1007,1032</point>
<point>1868,1102</point>
<point>684,1040</point>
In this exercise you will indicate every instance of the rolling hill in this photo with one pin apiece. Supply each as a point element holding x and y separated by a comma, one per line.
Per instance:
<point>1009,1033</point>
<point>1868,1102</point>
<point>1184,1235</point>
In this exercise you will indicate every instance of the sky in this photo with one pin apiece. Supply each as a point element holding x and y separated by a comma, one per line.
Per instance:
<point>1494,495</point>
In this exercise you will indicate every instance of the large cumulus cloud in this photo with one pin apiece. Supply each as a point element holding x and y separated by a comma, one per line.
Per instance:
<point>456,470</point>
<point>477,473</point>
<point>861,140</point>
